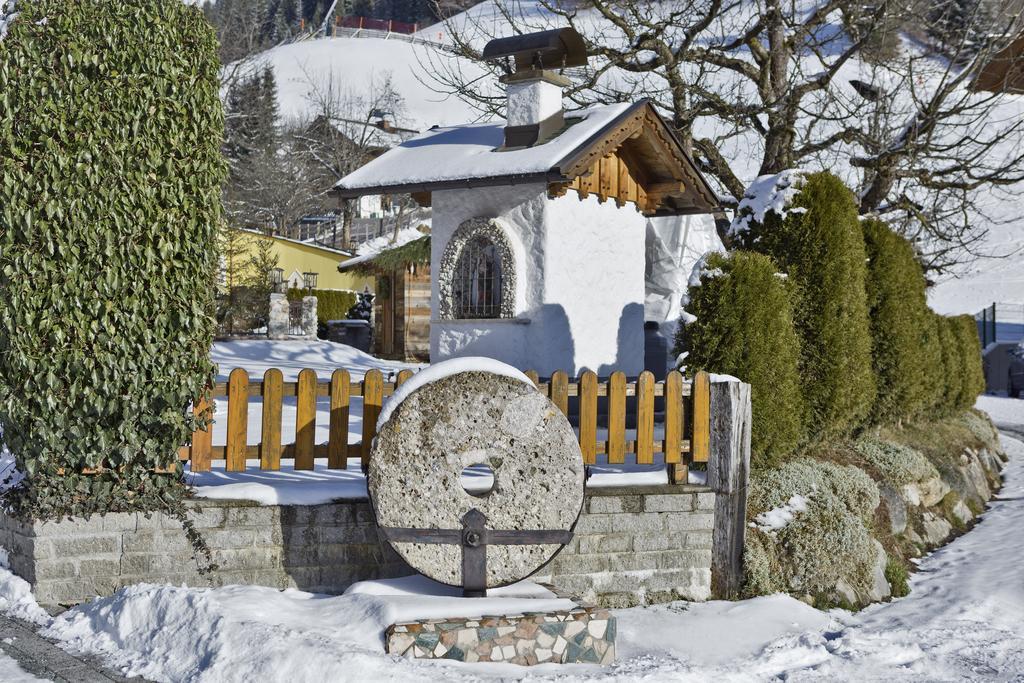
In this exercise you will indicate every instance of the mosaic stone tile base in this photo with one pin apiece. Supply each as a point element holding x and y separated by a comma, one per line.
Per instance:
<point>576,636</point>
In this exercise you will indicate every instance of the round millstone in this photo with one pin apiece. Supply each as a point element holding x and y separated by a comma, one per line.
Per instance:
<point>474,418</point>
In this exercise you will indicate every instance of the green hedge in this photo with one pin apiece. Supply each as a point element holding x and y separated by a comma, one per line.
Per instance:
<point>898,312</point>
<point>331,304</point>
<point>820,245</point>
<point>935,355</point>
<point>110,175</point>
<point>970,373</point>
<point>744,327</point>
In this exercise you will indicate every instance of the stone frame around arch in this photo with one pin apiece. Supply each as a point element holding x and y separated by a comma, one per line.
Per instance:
<point>492,230</point>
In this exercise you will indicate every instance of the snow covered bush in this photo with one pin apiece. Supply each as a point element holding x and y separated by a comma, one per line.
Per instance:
<point>829,541</point>
<point>897,464</point>
<point>817,240</point>
<point>898,312</point>
<point>744,327</point>
<point>110,174</point>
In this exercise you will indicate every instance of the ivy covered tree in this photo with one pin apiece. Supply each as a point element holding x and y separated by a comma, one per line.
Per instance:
<point>110,132</point>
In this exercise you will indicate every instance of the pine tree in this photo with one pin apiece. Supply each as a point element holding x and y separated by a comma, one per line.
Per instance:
<point>262,261</point>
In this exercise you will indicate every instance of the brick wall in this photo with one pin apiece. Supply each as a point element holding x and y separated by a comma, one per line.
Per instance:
<point>632,546</point>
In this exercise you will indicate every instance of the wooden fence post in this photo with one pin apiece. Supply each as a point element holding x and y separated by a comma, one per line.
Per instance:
<point>337,444</point>
<point>560,391</point>
<point>674,416</point>
<point>270,438</point>
<point>202,439</point>
<point>699,444</point>
<point>728,476</point>
<point>305,420</point>
<point>645,418</point>
<point>588,416</point>
<point>617,418</point>
<point>373,399</point>
<point>238,420</point>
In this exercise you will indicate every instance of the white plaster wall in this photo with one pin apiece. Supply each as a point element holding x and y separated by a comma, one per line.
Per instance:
<point>579,282</point>
<point>594,263</point>
<point>521,211</point>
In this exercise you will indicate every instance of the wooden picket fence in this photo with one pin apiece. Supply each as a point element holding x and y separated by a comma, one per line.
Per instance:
<point>686,417</point>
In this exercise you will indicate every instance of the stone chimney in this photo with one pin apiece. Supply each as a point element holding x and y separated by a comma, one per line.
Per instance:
<point>534,88</point>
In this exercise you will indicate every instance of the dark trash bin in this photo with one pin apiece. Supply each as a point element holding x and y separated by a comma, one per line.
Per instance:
<point>354,333</point>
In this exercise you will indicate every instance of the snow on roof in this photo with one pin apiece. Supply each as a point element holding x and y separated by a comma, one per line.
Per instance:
<point>472,152</point>
<point>304,243</point>
<point>371,248</point>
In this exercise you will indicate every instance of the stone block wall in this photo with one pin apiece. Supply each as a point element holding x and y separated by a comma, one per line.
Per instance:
<point>632,546</point>
<point>639,545</point>
<point>321,548</point>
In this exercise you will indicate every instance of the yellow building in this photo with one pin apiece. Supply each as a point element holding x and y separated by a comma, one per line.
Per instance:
<point>311,266</point>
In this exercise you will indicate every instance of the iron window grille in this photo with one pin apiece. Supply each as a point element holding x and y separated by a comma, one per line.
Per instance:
<point>476,282</point>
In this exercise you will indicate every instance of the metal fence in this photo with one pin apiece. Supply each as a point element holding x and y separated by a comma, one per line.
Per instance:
<point>1000,322</point>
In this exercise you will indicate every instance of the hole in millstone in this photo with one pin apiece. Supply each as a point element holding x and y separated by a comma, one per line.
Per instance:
<point>477,480</point>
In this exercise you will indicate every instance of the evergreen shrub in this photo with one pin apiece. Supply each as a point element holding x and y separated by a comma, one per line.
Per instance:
<point>951,366</point>
<point>819,243</point>
<point>898,464</point>
<point>897,308</point>
<point>110,175</point>
<point>971,375</point>
<point>934,368</point>
<point>744,327</point>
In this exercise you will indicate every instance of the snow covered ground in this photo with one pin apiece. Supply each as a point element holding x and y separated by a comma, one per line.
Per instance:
<point>10,672</point>
<point>1003,410</point>
<point>309,70</point>
<point>259,355</point>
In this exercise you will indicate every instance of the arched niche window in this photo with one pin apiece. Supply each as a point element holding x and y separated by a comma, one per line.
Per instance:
<point>477,278</point>
<point>476,285</point>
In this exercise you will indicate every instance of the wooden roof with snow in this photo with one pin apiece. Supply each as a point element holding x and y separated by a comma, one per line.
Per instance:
<point>625,153</point>
<point>1004,71</point>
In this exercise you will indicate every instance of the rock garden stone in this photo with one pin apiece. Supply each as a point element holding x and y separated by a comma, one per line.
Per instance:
<point>896,506</point>
<point>936,529</point>
<point>476,418</point>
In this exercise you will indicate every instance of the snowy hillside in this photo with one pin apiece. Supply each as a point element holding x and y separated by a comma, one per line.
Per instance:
<point>354,63</point>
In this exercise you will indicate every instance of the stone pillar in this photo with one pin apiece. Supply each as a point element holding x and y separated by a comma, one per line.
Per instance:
<point>309,317</point>
<point>277,321</point>
<point>728,475</point>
